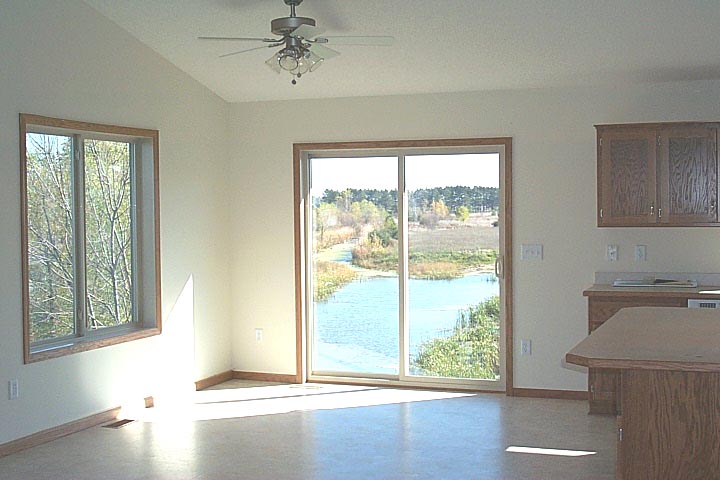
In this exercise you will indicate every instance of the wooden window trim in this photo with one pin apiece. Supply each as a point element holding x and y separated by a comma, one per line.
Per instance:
<point>116,335</point>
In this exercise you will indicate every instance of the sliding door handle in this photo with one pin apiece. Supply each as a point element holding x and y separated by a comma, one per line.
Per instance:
<point>499,267</point>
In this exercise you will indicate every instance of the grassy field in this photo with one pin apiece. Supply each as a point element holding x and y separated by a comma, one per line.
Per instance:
<point>441,253</point>
<point>457,239</point>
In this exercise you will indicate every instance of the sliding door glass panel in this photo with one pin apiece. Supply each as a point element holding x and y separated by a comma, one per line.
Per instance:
<point>108,241</point>
<point>354,279</point>
<point>453,241</point>
<point>51,276</point>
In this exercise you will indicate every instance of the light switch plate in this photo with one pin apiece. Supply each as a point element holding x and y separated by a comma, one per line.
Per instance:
<point>13,390</point>
<point>531,251</point>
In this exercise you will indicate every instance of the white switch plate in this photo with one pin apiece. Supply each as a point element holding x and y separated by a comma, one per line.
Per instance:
<point>525,347</point>
<point>531,251</point>
<point>612,253</point>
<point>13,390</point>
<point>640,253</point>
<point>258,334</point>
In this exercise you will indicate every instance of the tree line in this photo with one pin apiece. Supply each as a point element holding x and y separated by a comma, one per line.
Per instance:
<point>475,199</point>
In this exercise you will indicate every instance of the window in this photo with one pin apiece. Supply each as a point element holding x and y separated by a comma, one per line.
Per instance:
<point>90,236</point>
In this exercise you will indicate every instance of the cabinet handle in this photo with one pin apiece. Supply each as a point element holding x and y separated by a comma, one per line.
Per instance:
<point>659,212</point>
<point>652,209</point>
<point>712,207</point>
<point>620,434</point>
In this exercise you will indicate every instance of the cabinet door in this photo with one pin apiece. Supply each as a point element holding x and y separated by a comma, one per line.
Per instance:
<point>627,176</point>
<point>688,176</point>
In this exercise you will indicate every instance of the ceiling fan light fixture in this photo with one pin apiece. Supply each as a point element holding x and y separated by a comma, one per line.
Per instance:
<point>303,66</point>
<point>289,58</point>
<point>274,63</point>
<point>315,60</point>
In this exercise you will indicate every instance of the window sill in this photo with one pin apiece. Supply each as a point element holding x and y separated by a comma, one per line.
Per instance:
<point>76,345</point>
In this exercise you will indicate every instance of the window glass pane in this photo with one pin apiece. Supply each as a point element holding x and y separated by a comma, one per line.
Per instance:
<point>108,233</point>
<point>453,241</point>
<point>50,236</point>
<point>354,265</point>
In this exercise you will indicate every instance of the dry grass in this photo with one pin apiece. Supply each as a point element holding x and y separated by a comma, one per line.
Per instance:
<point>436,270</point>
<point>464,237</point>
<point>330,277</point>
<point>333,236</point>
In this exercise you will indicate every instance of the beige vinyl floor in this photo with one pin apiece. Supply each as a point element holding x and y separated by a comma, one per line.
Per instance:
<point>241,430</point>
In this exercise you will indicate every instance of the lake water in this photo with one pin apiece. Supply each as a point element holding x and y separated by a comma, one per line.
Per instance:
<point>356,330</point>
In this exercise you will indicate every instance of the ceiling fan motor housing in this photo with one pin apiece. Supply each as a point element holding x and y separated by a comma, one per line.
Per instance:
<point>286,25</point>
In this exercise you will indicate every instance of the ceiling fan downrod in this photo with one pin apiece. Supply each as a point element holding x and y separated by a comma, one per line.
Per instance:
<point>292,4</point>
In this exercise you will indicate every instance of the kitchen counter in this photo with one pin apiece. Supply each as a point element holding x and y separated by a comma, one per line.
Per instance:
<point>654,338</point>
<point>701,291</point>
<point>669,396</point>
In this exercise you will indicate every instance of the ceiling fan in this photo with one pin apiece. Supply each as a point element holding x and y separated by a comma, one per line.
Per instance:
<point>303,49</point>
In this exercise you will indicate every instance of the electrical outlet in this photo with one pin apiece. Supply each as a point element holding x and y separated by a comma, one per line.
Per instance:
<point>525,347</point>
<point>13,389</point>
<point>258,335</point>
<point>640,253</point>
<point>612,253</point>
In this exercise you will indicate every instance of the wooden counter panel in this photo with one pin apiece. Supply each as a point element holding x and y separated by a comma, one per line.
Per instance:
<point>671,425</point>
<point>653,337</point>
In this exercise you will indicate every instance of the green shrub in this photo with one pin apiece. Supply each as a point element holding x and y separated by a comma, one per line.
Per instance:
<point>385,234</point>
<point>470,351</point>
<point>463,213</point>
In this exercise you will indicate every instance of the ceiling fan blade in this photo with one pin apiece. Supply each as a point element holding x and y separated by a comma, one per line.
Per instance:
<point>323,51</point>
<point>371,41</point>
<point>241,39</point>
<point>246,50</point>
<point>307,31</point>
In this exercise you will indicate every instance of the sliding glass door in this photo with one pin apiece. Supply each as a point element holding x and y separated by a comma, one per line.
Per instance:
<point>403,251</point>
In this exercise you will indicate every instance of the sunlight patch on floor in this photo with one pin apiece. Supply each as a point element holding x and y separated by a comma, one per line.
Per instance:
<point>276,399</point>
<point>549,451</point>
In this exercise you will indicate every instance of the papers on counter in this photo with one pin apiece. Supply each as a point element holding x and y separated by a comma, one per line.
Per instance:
<point>657,282</point>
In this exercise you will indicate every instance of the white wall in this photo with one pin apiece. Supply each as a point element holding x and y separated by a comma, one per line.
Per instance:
<point>554,204</point>
<point>62,59</point>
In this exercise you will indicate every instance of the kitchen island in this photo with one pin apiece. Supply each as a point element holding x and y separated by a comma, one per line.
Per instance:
<point>669,397</point>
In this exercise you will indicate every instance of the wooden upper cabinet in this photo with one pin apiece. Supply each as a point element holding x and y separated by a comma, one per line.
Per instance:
<point>657,174</point>
<point>627,176</point>
<point>688,176</point>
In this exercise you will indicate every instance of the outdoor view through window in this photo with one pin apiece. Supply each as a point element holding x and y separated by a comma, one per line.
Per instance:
<point>451,319</point>
<point>53,236</point>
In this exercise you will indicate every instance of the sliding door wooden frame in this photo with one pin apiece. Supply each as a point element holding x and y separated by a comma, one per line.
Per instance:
<point>299,197</point>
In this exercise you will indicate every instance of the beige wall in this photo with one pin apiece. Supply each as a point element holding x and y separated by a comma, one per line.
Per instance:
<point>554,203</point>
<point>68,61</point>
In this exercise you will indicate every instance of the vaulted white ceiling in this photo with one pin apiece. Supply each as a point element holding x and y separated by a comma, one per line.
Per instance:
<point>441,45</point>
